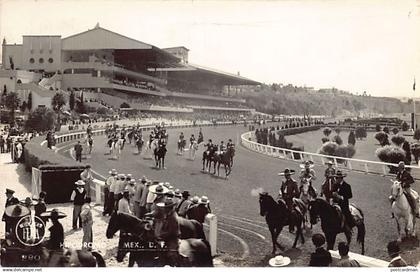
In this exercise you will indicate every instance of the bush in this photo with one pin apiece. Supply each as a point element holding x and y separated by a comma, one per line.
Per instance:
<point>361,133</point>
<point>406,148</point>
<point>395,131</point>
<point>415,150</point>
<point>398,140</point>
<point>382,138</point>
<point>404,126</point>
<point>378,127</point>
<point>338,140</point>
<point>386,130</point>
<point>328,148</point>
<point>391,154</point>
<point>352,138</point>
<point>41,119</point>
<point>337,130</point>
<point>327,131</point>
<point>324,140</point>
<point>416,135</point>
<point>333,149</point>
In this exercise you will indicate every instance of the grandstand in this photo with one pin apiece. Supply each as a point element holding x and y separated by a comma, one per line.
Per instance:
<point>112,69</point>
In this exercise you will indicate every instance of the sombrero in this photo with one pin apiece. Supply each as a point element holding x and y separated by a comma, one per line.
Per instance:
<point>204,200</point>
<point>287,171</point>
<point>329,162</point>
<point>113,172</point>
<point>10,191</point>
<point>195,199</point>
<point>177,193</point>
<point>53,214</point>
<point>307,163</point>
<point>17,211</point>
<point>158,189</point>
<point>279,261</point>
<point>339,174</point>
<point>28,202</point>
<point>80,183</point>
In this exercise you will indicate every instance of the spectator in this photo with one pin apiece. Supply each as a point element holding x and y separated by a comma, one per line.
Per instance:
<point>78,150</point>
<point>138,191</point>
<point>87,177</point>
<point>394,253</point>
<point>41,207</point>
<point>123,203</point>
<point>201,210</point>
<point>87,223</point>
<point>184,204</point>
<point>56,241</point>
<point>345,261</point>
<point>108,195</point>
<point>143,199</point>
<point>320,257</point>
<point>191,209</point>
<point>78,197</point>
<point>131,187</point>
<point>2,142</point>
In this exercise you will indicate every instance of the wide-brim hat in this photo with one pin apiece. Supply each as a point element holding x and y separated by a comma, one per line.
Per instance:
<point>310,164</point>
<point>204,200</point>
<point>287,171</point>
<point>10,191</point>
<point>340,174</point>
<point>144,179</point>
<point>53,214</point>
<point>195,199</point>
<point>168,203</point>
<point>279,261</point>
<point>80,183</point>
<point>177,193</point>
<point>17,211</point>
<point>185,193</point>
<point>113,172</point>
<point>329,163</point>
<point>158,189</point>
<point>149,182</point>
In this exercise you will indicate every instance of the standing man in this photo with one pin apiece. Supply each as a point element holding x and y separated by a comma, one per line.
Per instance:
<point>78,197</point>
<point>288,190</point>
<point>87,223</point>
<point>56,241</point>
<point>144,196</point>
<point>328,187</point>
<point>131,187</point>
<point>87,178</point>
<point>78,150</point>
<point>41,207</point>
<point>124,203</point>
<point>184,204</point>
<point>202,209</point>
<point>342,196</point>
<point>10,200</point>
<point>108,195</point>
<point>2,142</point>
<point>118,189</point>
<point>406,180</point>
<point>137,197</point>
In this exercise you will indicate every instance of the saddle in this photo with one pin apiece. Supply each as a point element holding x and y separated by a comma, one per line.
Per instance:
<point>340,215</point>
<point>356,213</point>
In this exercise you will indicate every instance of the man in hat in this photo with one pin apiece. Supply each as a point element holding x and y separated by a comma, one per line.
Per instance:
<point>307,173</point>
<point>150,198</point>
<point>119,188</point>
<point>166,228</point>
<point>78,150</point>
<point>131,187</point>
<point>320,257</point>
<point>160,192</point>
<point>394,252</point>
<point>184,204</point>
<point>137,198</point>
<point>191,209</point>
<point>87,223</point>
<point>78,197</point>
<point>328,187</point>
<point>10,200</point>
<point>108,194</point>
<point>56,241</point>
<point>202,209</point>
<point>288,190</point>
<point>124,203</point>
<point>404,176</point>
<point>87,177</point>
<point>342,196</point>
<point>143,198</point>
<point>41,207</point>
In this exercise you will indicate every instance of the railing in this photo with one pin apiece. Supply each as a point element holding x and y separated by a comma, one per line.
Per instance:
<point>368,167</point>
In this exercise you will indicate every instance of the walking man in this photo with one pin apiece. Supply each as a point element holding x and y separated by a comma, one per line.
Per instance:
<point>78,150</point>
<point>78,197</point>
<point>87,223</point>
<point>108,195</point>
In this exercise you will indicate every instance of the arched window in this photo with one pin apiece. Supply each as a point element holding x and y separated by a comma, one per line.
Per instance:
<point>32,60</point>
<point>19,81</point>
<point>50,60</point>
<point>41,60</point>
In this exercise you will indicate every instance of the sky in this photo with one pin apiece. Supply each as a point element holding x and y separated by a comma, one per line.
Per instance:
<point>358,46</point>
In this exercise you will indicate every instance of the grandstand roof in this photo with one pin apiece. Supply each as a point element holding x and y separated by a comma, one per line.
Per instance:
<point>232,78</point>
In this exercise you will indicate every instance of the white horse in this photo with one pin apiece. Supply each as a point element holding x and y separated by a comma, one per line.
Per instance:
<point>118,146</point>
<point>402,210</point>
<point>307,193</point>
<point>193,149</point>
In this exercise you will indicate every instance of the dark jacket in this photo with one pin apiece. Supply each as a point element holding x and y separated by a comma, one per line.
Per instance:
<point>199,213</point>
<point>405,178</point>
<point>56,240</point>
<point>12,201</point>
<point>78,148</point>
<point>320,257</point>
<point>344,190</point>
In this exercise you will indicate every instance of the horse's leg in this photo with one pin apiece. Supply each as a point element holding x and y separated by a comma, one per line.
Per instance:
<point>330,240</point>
<point>278,231</point>
<point>348,236</point>
<point>273,240</point>
<point>131,259</point>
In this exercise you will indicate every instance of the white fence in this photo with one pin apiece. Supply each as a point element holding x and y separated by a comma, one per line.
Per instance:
<point>369,167</point>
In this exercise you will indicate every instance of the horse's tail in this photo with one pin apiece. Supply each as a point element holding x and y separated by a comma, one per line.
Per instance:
<point>361,232</point>
<point>99,259</point>
<point>207,259</point>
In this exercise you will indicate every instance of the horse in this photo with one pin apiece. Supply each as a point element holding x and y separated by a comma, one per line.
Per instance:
<point>277,215</point>
<point>118,146</point>
<point>181,146</point>
<point>307,193</point>
<point>69,257</point>
<point>160,153</point>
<point>232,154</point>
<point>139,144</point>
<point>192,243</point>
<point>208,159</point>
<point>225,159</point>
<point>333,222</point>
<point>193,149</point>
<point>402,211</point>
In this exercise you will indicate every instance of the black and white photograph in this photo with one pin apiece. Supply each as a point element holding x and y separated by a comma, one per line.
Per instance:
<point>223,134</point>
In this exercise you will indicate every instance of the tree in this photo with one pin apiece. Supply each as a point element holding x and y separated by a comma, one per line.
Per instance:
<point>352,138</point>
<point>391,154</point>
<point>72,100</point>
<point>29,104</point>
<point>12,103</point>
<point>404,126</point>
<point>57,103</point>
<point>416,135</point>
<point>361,133</point>
<point>41,119</point>
<point>23,106</point>
<point>327,131</point>
<point>124,105</point>
<point>378,127</point>
<point>395,131</point>
<point>338,139</point>
<point>382,138</point>
<point>398,140</point>
<point>386,130</point>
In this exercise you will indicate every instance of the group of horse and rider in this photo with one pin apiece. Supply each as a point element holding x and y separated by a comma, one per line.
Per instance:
<point>332,207</point>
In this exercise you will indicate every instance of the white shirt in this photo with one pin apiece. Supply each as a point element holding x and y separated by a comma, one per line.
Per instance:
<point>123,205</point>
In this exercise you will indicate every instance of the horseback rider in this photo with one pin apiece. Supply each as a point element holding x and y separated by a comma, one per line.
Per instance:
<point>222,147</point>
<point>341,197</point>
<point>404,176</point>
<point>151,138</point>
<point>230,144</point>
<point>328,187</point>
<point>288,191</point>
<point>209,146</point>
<point>307,173</point>
<point>192,139</point>
<point>200,137</point>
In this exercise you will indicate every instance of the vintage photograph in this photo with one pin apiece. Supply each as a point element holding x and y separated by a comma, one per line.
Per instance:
<point>222,134</point>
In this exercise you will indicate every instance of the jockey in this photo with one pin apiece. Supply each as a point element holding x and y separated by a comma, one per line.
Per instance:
<point>181,137</point>
<point>209,146</point>
<point>288,191</point>
<point>329,184</point>
<point>230,144</point>
<point>200,137</point>
<point>342,195</point>
<point>406,180</point>
<point>307,173</point>
<point>222,147</point>
<point>192,139</point>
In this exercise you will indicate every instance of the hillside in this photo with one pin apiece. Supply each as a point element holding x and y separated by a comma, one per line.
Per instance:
<point>277,99</point>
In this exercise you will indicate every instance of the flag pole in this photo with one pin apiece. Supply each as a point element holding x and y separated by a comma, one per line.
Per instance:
<point>414,106</point>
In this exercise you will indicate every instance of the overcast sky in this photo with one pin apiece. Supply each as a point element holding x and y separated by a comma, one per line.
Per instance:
<point>371,46</point>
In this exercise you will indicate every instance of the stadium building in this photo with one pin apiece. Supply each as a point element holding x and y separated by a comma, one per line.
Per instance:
<point>112,69</point>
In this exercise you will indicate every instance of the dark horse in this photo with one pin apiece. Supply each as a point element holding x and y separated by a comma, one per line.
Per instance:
<point>224,158</point>
<point>208,158</point>
<point>332,222</point>
<point>277,215</point>
<point>135,230</point>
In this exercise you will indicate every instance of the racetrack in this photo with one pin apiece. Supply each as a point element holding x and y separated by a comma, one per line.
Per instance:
<point>243,236</point>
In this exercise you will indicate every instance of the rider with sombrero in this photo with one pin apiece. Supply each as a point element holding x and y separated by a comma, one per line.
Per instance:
<point>307,172</point>
<point>328,187</point>
<point>56,241</point>
<point>288,190</point>
<point>342,195</point>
